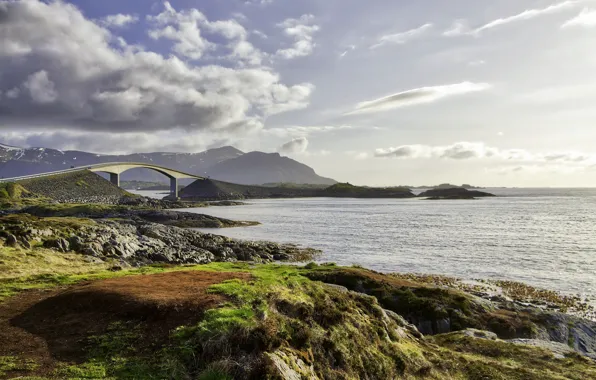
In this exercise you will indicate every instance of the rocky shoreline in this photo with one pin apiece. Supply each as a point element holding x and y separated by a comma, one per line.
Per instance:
<point>136,243</point>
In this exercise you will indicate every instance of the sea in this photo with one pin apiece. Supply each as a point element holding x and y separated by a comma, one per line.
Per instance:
<point>542,237</point>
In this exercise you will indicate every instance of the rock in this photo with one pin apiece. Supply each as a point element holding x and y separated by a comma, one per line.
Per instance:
<point>443,326</point>
<point>298,371</point>
<point>59,244</point>
<point>480,334</point>
<point>26,244</point>
<point>12,241</point>
<point>559,350</point>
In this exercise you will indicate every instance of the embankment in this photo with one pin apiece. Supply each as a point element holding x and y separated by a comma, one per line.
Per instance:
<point>77,187</point>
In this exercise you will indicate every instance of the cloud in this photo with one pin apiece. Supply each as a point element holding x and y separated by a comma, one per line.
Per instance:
<point>110,143</point>
<point>302,31</point>
<point>460,27</point>
<point>41,88</point>
<point>418,96</point>
<point>85,81</point>
<point>298,145</point>
<point>305,130</point>
<point>186,28</point>
<point>119,20</point>
<point>402,38</point>
<point>478,150</point>
<point>587,18</point>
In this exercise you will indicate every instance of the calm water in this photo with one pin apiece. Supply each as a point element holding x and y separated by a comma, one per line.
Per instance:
<point>545,237</point>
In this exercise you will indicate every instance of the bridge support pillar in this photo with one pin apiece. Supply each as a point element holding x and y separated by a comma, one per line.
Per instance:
<point>115,179</point>
<point>174,188</point>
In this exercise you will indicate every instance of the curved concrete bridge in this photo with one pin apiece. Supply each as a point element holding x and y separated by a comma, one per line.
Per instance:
<point>114,169</point>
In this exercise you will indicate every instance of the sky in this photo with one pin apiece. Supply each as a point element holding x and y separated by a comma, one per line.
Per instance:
<point>377,92</point>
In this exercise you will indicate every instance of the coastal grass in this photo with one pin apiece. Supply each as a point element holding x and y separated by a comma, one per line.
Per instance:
<point>13,195</point>
<point>282,316</point>
<point>25,263</point>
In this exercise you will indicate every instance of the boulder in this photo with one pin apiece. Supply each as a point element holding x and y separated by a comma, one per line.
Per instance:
<point>12,241</point>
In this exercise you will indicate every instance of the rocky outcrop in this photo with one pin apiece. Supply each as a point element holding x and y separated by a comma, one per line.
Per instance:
<point>162,216</point>
<point>138,243</point>
<point>435,310</point>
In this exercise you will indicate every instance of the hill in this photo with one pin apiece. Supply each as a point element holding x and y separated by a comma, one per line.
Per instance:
<point>255,168</point>
<point>210,189</point>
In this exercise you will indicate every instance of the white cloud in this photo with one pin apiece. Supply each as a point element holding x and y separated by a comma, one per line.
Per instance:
<point>418,96</point>
<point>460,27</point>
<point>13,93</point>
<point>305,130</point>
<point>80,81</point>
<point>119,20</point>
<point>402,38</point>
<point>478,150</point>
<point>186,28</point>
<point>478,62</point>
<point>41,88</point>
<point>260,34</point>
<point>587,18</point>
<point>302,31</point>
<point>297,145</point>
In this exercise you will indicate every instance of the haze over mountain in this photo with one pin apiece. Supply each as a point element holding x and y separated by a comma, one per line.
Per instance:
<point>226,164</point>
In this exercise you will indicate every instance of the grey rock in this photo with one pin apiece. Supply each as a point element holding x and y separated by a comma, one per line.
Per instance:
<point>480,334</point>
<point>12,241</point>
<point>559,350</point>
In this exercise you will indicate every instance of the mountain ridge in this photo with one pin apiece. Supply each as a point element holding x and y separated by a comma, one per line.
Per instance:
<point>17,161</point>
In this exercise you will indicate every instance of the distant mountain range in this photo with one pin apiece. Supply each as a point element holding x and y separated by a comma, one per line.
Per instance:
<point>226,164</point>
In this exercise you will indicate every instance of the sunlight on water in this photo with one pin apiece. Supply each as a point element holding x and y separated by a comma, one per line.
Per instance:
<point>544,237</point>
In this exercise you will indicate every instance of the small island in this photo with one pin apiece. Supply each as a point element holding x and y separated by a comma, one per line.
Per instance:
<point>453,193</point>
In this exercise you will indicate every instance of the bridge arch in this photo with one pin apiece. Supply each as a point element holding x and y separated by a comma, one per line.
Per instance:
<point>114,169</point>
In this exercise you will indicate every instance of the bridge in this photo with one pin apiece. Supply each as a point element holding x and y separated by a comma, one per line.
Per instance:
<point>114,169</point>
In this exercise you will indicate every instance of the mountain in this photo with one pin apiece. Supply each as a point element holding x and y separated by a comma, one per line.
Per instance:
<point>244,168</point>
<point>257,167</point>
<point>19,161</point>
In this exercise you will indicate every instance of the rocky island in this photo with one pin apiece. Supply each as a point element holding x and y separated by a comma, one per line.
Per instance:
<point>453,193</point>
<point>118,290</point>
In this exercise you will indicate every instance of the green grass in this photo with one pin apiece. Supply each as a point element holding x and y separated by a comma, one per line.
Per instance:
<point>13,195</point>
<point>11,364</point>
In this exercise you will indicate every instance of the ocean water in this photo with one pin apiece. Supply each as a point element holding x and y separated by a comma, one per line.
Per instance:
<point>544,237</point>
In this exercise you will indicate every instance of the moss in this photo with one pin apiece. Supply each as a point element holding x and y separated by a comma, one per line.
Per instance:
<point>14,195</point>
<point>416,302</point>
<point>482,359</point>
<point>10,364</point>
